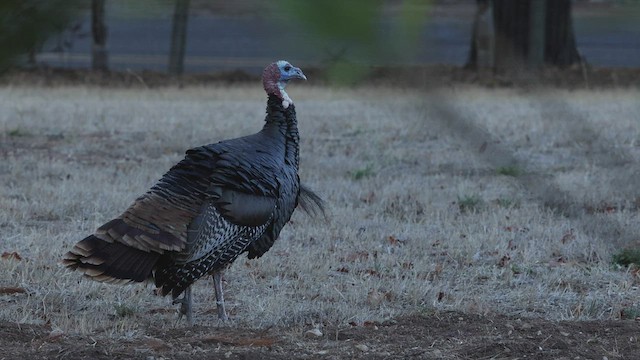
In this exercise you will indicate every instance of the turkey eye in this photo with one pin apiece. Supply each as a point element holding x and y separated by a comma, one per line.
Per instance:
<point>287,68</point>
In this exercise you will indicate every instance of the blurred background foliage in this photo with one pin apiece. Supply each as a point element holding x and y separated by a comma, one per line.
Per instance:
<point>360,33</point>
<point>26,24</point>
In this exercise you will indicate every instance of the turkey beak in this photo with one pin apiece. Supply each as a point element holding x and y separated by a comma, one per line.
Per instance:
<point>298,74</point>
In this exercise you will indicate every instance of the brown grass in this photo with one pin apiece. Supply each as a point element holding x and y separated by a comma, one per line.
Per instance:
<point>423,216</point>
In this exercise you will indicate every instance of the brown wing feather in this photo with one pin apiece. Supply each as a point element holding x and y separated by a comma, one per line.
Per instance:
<point>154,224</point>
<point>127,248</point>
<point>110,261</point>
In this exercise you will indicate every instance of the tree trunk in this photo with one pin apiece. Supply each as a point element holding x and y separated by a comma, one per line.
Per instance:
<point>178,37</point>
<point>560,47</point>
<point>481,55</point>
<point>99,55</point>
<point>536,33</point>
<point>511,23</point>
<point>529,33</point>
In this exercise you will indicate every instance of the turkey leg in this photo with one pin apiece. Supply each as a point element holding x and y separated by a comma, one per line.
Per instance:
<point>217,285</point>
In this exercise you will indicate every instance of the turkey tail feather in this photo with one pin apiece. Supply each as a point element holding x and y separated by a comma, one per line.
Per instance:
<point>310,202</point>
<point>110,261</point>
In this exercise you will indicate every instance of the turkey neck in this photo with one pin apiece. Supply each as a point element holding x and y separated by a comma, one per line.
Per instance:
<point>283,122</point>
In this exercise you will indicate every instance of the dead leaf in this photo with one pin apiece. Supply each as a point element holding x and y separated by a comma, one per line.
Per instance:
<point>607,208</point>
<point>395,241</point>
<point>12,290</point>
<point>504,261</point>
<point>568,237</point>
<point>372,272</point>
<point>358,255</point>
<point>11,255</point>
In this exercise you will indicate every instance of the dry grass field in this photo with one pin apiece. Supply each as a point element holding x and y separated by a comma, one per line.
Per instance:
<point>462,223</point>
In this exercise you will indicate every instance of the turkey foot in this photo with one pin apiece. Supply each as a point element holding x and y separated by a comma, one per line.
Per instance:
<point>186,305</point>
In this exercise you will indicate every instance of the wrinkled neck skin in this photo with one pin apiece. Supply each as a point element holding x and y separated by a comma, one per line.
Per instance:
<point>277,88</point>
<point>286,100</point>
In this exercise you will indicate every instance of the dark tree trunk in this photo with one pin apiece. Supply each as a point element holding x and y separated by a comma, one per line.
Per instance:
<point>511,23</point>
<point>99,55</point>
<point>537,24</point>
<point>482,48</point>
<point>519,40</point>
<point>560,48</point>
<point>179,37</point>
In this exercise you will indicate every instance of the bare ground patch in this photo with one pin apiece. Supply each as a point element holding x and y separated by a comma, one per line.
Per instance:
<point>447,335</point>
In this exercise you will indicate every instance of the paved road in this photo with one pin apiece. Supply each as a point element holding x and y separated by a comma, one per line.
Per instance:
<point>607,37</point>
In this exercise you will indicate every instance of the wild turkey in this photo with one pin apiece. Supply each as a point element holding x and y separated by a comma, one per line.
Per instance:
<point>221,200</point>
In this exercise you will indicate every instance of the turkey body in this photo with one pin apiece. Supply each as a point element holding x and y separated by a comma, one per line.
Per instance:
<point>221,200</point>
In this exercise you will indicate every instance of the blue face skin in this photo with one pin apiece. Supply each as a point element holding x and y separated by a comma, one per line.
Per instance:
<point>288,72</point>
